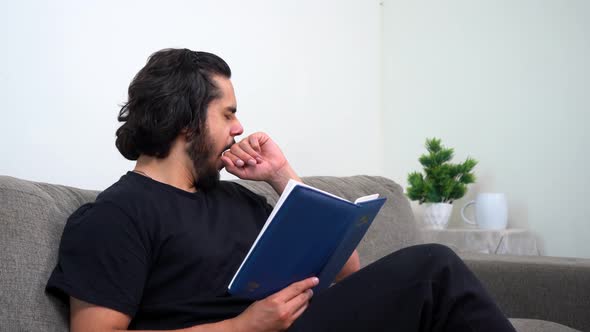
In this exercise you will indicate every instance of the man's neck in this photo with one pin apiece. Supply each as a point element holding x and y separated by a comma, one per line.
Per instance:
<point>169,170</point>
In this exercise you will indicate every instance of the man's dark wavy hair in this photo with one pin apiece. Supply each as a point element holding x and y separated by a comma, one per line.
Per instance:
<point>169,94</point>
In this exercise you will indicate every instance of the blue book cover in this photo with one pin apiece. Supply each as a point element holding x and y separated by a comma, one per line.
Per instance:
<point>309,233</point>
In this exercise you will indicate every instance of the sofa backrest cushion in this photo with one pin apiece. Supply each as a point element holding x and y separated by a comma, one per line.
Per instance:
<point>33,215</point>
<point>32,218</point>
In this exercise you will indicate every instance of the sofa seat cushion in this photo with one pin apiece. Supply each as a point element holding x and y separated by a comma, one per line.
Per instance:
<point>535,325</point>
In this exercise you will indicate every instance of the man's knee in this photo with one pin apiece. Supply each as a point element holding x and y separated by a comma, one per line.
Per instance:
<point>435,250</point>
<point>417,260</point>
<point>431,251</point>
<point>430,255</point>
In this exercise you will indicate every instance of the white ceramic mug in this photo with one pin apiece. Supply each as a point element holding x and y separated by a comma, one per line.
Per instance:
<point>491,211</point>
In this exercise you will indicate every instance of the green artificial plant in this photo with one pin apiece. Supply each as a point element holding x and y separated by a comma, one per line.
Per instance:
<point>443,182</point>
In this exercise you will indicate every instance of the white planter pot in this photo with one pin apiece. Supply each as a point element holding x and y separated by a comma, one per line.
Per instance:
<point>436,215</point>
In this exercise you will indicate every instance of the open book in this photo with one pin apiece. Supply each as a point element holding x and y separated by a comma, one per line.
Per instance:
<point>309,233</point>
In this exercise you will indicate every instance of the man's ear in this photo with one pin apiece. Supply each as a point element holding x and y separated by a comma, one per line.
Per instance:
<point>183,136</point>
<point>186,133</point>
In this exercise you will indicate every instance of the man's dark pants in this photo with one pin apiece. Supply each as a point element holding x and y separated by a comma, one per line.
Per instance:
<point>420,288</point>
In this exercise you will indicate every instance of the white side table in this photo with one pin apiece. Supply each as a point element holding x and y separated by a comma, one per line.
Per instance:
<point>512,241</point>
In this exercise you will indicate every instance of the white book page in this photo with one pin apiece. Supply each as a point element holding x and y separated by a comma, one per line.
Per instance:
<point>358,200</point>
<point>366,198</point>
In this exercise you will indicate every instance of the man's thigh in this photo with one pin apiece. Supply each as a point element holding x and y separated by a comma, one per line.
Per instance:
<point>392,293</point>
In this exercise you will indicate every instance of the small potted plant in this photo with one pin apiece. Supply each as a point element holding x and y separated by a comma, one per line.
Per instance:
<point>442,183</point>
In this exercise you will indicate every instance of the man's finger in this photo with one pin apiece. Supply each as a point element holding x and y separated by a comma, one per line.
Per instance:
<point>254,143</point>
<point>300,311</point>
<point>243,156</point>
<point>297,288</point>
<point>231,167</point>
<point>229,164</point>
<point>299,301</point>
<point>235,160</point>
<point>247,147</point>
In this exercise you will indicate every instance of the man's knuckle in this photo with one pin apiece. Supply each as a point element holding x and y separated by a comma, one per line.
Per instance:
<point>283,315</point>
<point>304,298</point>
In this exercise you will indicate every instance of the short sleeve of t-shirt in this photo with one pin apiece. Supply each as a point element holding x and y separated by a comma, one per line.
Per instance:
<point>103,259</point>
<point>260,200</point>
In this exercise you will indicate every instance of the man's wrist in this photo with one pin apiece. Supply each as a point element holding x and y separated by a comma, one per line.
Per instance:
<point>233,325</point>
<point>282,177</point>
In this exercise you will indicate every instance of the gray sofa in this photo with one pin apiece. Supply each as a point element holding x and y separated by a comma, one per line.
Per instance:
<point>540,293</point>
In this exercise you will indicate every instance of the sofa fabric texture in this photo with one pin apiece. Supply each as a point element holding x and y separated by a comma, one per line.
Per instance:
<point>535,287</point>
<point>32,217</point>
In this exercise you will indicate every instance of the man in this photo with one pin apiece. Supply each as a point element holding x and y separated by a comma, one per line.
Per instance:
<point>159,247</point>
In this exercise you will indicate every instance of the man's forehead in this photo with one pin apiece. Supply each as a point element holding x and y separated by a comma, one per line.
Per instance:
<point>223,83</point>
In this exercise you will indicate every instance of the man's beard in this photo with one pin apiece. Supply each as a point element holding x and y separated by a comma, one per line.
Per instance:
<point>201,152</point>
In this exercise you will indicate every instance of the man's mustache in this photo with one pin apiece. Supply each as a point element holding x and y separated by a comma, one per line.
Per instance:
<point>233,141</point>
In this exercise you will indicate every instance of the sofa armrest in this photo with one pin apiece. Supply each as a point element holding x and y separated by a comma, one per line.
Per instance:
<point>548,288</point>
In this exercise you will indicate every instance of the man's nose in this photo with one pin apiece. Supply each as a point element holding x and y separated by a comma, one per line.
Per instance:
<point>237,129</point>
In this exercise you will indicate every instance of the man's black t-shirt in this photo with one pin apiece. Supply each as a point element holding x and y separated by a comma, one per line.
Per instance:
<point>159,254</point>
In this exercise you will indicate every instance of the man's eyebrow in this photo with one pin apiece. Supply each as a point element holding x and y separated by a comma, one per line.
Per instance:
<point>232,109</point>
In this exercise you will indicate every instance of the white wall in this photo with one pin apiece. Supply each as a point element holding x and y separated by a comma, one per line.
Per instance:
<point>504,81</point>
<point>306,72</point>
<point>507,82</point>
